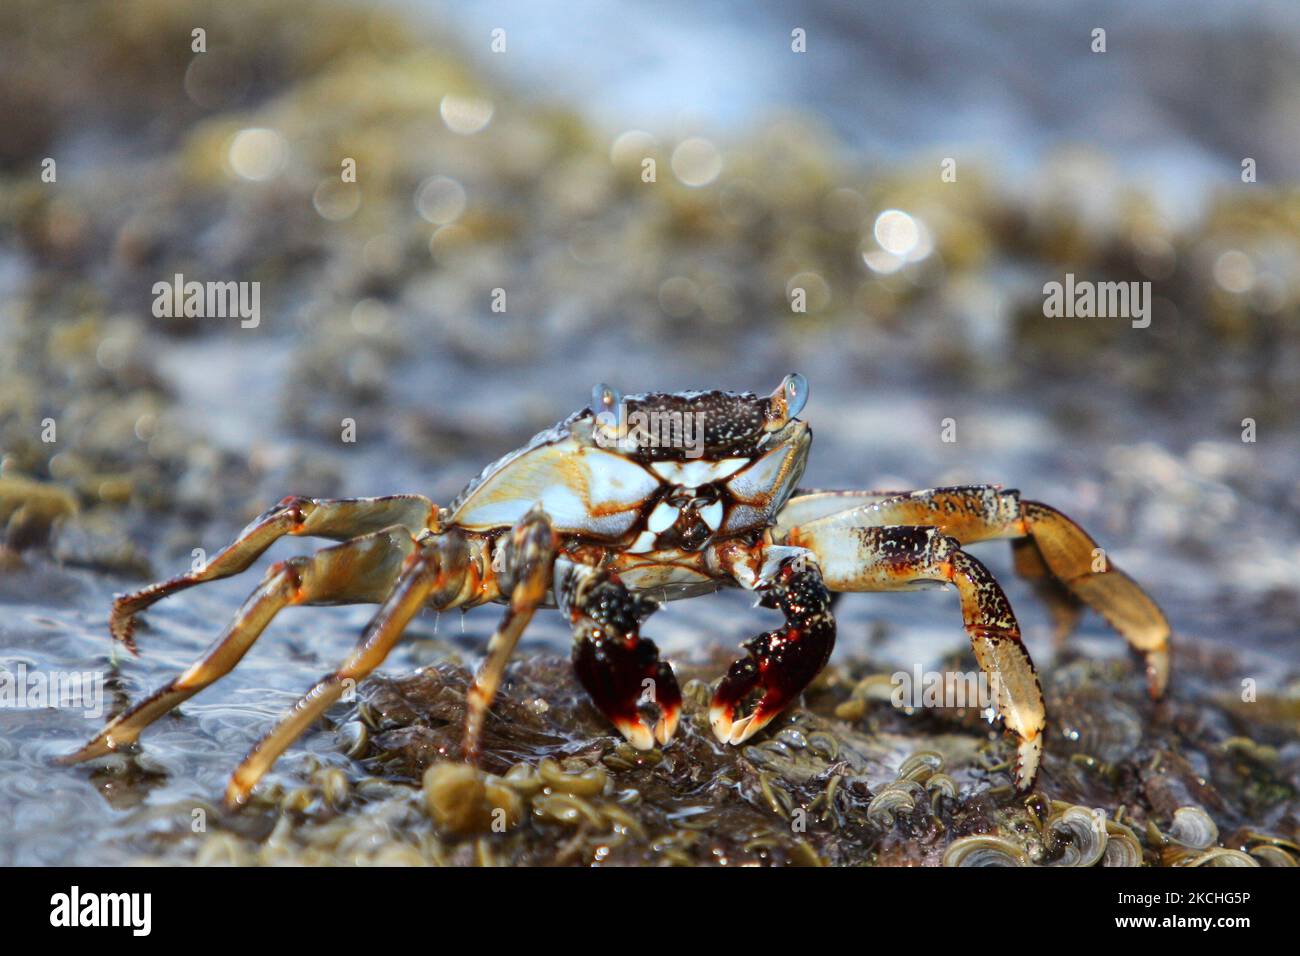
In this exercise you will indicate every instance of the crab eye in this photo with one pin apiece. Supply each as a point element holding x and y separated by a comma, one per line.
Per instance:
<point>796,393</point>
<point>605,399</point>
<point>787,401</point>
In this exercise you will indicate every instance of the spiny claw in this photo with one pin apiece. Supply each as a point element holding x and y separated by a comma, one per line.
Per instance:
<point>782,662</point>
<point>729,731</point>
<point>631,686</point>
<point>636,732</point>
<point>741,679</point>
<point>639,734</point>
<point>666,725</point>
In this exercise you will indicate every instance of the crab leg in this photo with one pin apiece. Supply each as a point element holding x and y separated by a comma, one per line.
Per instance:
<point>529,559</point>
<point>808,505</point>
<point>434,573</point>
<point>899,558</point>
<point>780,663</point>
<point>356,572</point>
<point>1064,607</point>
<point>1075,560</point>
<point>338,518</point>
<point>619,669</point>
<point>1056,555</point>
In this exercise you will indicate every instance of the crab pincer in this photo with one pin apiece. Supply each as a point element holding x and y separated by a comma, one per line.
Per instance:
<point>780,663</point>
<point>620,670</point>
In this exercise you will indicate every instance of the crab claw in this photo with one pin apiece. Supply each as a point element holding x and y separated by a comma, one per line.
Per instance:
<point>635,690</point>
<point>728,730</point>
<point>782,662</point>
<point>743,678</point>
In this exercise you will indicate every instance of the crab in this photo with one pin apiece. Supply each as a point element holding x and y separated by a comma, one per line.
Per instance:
<point>606,515</point>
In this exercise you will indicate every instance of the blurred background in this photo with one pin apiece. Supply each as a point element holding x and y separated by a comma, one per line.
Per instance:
<point>500,151</point>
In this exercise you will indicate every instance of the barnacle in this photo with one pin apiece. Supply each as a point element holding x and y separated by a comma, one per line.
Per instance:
<point>1081,832</point>
<point>586,782</point>
<point>1122,846</point>
<point>1193,827</point>
<point>921,766</point>
<point>1218,856</point>
<point>462,799</point>
<point>1270,855</point>
<point>941,785</point>
<point>984,850</point>
<point>894,800</point>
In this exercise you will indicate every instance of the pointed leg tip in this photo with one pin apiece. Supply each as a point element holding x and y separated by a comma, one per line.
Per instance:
<point>1029,757</point>
<point>122,630</point>
<point>734,732</point>
<point>237,796</point>
<point>666,727</point>
<point>743,729</point>
<point>1157,673</point>
<point>98,747</point>
<point>721,723</point>
<point>637,734</point>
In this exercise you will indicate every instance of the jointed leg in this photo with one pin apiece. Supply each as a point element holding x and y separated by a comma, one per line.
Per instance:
<point>1055,553</point>
<point>619,669</point>
<point>1075,560</point>
<point>995,638</point>
<point>359,571</point>
<point>807,506</point>
<point>433,574</point>
<point>528,561</point>
<point>901,558</point>
<point>339,518</point>
<point>1065,608</point>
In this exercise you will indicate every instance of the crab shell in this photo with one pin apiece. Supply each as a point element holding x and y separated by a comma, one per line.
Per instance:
<point>656,476</point>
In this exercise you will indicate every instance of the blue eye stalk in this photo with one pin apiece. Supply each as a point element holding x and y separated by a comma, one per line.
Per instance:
<point>605,398</point>
<point>787,401</point>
